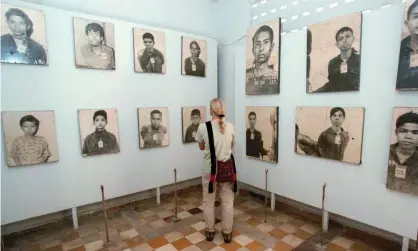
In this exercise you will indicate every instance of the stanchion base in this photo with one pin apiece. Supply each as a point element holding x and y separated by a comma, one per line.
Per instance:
<point>321,247</point>
<point>175,219</point>
<point>108,244</point>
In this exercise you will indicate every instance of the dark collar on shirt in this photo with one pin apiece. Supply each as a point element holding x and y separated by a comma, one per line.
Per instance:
<point>329,130</point>
<point>354,53</point>
<point>410,161</point>
<point>406,45</point>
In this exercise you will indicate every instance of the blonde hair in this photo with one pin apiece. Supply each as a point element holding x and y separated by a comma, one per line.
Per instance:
<point>218,108</point>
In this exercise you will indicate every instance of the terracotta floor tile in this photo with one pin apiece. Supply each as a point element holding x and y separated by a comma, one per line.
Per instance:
<point>358,247</point>
<point>158,242</point>
<point>297,223</point>
<point>255,246</point>
<point>206,245</point>
<point>235,232</point>
<point>253,222</point>
<point>134,241</point>
<point>302,234</point>
<point>233,246</point>
<point>54,248</point>
<point>181,244</point>
<point>281,246</point>
<point>333,247</point>
<point>279,234</point>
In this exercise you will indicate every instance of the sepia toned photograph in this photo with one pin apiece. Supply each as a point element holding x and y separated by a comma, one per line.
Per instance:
<point>262,132</point>
<point>149,51</point>
<point>191,118</point>
<point>94,44</point>
<point>194,56</point>
<point>99,131</point>
<point>30,137</point>
<point>263,58</point>
<point>23,36</point>
<point>408,56</point>
<point>330,132</point>
<point>153,127</point>
<point>403,151</point>
<point>333,55</point>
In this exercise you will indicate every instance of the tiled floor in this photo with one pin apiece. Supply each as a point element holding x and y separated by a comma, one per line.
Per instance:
<point>146,226</point>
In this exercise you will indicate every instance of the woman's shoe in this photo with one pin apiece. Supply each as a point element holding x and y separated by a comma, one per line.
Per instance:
<point>227,237</point>
<point>209,235</point>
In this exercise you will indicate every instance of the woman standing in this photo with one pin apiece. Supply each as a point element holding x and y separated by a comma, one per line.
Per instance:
<point>19,47</point>
<point>223,142</point>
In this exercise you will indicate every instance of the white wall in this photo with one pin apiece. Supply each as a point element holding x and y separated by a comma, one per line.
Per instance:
<point>357,192</point>
<point>73,181</point>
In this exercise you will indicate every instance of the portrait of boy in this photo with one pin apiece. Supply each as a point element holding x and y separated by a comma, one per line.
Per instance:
<point>195,118</point>
<point>403,154</point>
<point>149,49</point>
<point>101,141</point>
<point>30,137</point>
<point>153,133</point>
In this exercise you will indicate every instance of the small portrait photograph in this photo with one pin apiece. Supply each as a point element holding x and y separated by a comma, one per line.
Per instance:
<point>192,117</point>
<point>403,151</point>
<point>407,79</point>
<point>153,127</point>
<point>330,132</point>
<point>262,132</point>
<point>94,44</point>
<point>99,131</point>
<point>23,36</point>
<point>263,59</point>
<point>333,55</point>
<point>30,137</point>
<point>149,51</point>
<point>194,57</point>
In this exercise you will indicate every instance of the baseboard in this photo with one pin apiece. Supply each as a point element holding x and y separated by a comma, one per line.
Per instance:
<point>43,220</point>
<point>346,222</point>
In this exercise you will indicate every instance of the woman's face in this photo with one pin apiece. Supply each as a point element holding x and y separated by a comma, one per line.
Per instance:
<point>17,25</point>
<point>194,50</point>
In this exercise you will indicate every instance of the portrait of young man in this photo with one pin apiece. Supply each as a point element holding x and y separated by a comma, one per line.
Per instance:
<point>262,133</point>
<point>403,154</point>
<point>192,117</point>
<point>334,61</point>
<point>149,49</point>
<point>23,36</point>
<point>94,43</point>
<point>153,124</point>
<point>194,57</point>
<point>262,73</point>
<point>330,132</point>
<point>408,56</point>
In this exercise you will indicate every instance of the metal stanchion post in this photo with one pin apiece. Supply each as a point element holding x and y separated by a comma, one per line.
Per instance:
<point>265,199</point>
<point>175,218</point>
<point>105,214</point>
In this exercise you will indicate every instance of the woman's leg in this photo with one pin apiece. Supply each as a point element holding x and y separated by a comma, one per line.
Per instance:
<point>227,197</point>
<point>208,204</point>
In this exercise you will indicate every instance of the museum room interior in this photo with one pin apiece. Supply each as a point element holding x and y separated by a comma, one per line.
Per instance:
<point>104,104</point>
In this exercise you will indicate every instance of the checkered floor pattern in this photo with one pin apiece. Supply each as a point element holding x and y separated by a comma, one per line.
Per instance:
<point>146,226</point>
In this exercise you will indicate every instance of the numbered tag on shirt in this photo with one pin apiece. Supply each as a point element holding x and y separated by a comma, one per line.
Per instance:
<point>100,144</point>
<point>152,60</point>
<point>22,48</point>
<point>252,136</point>
<point>103,55</point>
<point>400,172</point>
<point>343,67</point>
<point>194,134</point>
<point>193,67</point>
<point>338,139</point>
<point>413,61</point>
<point>154,137</point>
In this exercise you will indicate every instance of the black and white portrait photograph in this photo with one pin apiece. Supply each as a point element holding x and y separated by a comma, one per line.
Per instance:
<point>333,55</point>
<point>153,127</point>
<point>403,151</point>
<point>408,55</point>
<point>330,132</point>
<point>99,131</point>
<point>192,117</point>
<point>262,132</point>
<point>194,57</point>
<point>23,36</point>
<point>30,137</point>
<point>149,50</point>
<point>263,58</point>
<point>94,43</point>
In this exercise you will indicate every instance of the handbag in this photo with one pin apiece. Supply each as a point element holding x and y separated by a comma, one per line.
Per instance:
<point>220,171</point>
